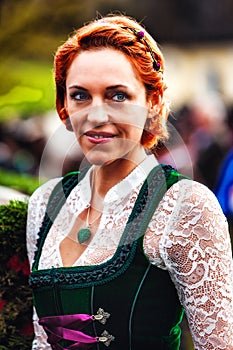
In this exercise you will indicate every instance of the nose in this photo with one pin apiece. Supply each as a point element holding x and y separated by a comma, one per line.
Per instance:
<point>97,113</point>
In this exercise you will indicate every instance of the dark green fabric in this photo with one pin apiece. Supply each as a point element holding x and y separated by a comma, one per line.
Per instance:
<point>141,298</point>
<point>157,309</point>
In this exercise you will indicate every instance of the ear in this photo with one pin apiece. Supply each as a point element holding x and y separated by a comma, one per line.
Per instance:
<point>152,124</point>
<point>68,124</point>
<point>153,105</point>
<point>65,117</point>
<point>65,101</point>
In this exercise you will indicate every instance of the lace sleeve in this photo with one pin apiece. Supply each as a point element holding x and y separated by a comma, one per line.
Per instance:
<point>36,209</point>
<point>40,339</point>
<point>197,252</point>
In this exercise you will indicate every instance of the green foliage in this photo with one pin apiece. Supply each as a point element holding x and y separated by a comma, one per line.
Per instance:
<point>21,182</point>
<point>30,33</point>
<point>16,330</point>
<point>33,29</point>
<point>27,88</point>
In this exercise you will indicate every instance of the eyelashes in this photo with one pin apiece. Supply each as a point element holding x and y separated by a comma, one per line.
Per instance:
<point>119,96</point>
<point>113,96</point>
<point>79,96</point>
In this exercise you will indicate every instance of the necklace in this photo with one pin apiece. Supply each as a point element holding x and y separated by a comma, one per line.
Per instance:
<point>84,234</point>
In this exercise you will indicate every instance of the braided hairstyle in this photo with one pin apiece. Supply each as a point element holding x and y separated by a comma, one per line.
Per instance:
<point>124,34</point>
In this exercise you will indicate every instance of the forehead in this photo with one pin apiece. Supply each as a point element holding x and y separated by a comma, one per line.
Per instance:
<point>102,63</point>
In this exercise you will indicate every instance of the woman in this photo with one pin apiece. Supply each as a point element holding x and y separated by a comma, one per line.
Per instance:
<point>125,244</point>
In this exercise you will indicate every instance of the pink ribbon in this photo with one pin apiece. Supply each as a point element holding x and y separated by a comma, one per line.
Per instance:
<point>68,327</point>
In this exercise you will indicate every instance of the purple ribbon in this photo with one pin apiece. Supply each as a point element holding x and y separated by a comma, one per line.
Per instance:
<point>68,327</point>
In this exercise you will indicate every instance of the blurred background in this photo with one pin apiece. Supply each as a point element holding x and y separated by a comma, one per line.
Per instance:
<point>197,40</point>
<point>196,37</point>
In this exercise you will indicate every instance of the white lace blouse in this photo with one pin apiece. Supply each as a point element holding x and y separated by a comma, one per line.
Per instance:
<point>188,236</point>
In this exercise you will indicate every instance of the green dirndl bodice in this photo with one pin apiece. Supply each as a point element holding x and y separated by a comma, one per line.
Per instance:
<point>125,303</point>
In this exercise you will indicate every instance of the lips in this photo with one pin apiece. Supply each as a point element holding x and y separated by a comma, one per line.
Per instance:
<point>99,137</point>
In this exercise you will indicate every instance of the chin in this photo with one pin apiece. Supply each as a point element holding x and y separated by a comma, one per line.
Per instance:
<point>100,157</point>
<point>99,160</point>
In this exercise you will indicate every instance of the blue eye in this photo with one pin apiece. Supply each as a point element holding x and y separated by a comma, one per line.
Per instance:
<point>79,96</point>
<point>119,96</point>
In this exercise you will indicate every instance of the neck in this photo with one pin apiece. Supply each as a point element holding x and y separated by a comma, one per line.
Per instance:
<point>108,175</point>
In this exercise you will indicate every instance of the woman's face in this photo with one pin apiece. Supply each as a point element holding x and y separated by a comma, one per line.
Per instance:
<point>107,105</point>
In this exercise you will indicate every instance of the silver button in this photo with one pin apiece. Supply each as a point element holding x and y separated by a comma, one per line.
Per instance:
<point>106,338</point>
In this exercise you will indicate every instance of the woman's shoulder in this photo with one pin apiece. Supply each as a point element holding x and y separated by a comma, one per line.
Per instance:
<point>190,186</point>
<point>188,193</point>
<point>43,192</point>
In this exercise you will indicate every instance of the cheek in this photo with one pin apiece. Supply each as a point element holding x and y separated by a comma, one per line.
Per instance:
<point>138,122</point>
<point>134,115</point>
<point>137,134</point>
<point>77,119</point>
<point>74,126</point>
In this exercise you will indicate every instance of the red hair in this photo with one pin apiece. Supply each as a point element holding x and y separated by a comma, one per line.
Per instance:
<point>114,31</point>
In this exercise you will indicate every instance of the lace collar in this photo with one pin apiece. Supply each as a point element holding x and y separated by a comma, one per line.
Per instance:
<point>120,190</point>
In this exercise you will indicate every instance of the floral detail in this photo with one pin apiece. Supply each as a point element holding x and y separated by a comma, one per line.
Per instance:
<point>195,249</point>
<point>2,303</point>
<point>140,35</point>
<point>17,265</point>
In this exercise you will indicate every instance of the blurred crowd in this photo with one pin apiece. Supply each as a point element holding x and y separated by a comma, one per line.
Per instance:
<point>38,145</point>
<point>205,130</point>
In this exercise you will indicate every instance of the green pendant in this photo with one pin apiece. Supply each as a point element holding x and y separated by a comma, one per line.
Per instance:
<point>83,235</point>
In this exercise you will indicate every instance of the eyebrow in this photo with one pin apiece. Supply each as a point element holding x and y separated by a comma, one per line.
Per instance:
<point>117,86</point>
<point>108,88</point>
<point>77,87</point>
